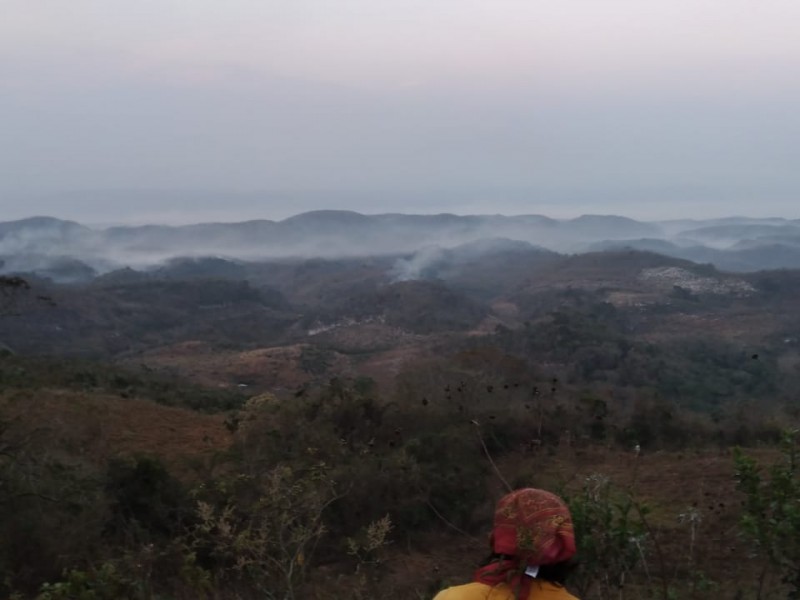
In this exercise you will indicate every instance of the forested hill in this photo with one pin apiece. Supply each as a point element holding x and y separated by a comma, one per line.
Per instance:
<point>159,425</point>
<point>629,319</point>
<point>70,252</point>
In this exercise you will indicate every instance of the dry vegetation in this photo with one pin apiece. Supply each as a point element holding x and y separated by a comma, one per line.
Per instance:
<point>320,437</point>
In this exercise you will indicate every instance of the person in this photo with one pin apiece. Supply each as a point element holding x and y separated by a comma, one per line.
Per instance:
<point>532,542</point>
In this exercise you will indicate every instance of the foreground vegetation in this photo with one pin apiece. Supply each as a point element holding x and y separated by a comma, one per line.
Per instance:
<point>341,491</point>
<point>287,475</point>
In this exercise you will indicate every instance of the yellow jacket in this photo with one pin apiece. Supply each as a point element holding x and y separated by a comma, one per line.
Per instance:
<point>540,590</point>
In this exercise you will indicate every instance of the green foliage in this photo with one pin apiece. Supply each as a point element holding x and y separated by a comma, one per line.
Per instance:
<point>771,512</point>
<point>610,535</point>
<point>146,501</point>
<point>285,509</point>
<point>31,373</point>
<point>50,507</point>
<point>592,343</point>
<point>383,459</point>
<point>106,583</point>
<point>148,572</point>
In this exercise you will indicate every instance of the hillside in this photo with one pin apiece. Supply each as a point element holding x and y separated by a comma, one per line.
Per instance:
<point>315,319</point>
<point>68,252</point>
<point>147,412</point>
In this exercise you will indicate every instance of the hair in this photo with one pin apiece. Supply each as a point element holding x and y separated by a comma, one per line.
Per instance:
<point>557,573</point>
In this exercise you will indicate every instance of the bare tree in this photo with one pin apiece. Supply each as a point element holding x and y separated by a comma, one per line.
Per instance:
<point>12,289</point>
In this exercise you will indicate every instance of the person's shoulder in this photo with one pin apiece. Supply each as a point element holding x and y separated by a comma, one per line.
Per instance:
<point>551,591</point>
<point>469,591</point>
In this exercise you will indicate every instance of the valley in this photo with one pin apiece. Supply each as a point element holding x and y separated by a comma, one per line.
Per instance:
<point>413,383</point>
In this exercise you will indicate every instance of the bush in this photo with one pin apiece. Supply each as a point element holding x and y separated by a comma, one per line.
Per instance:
<point>147,502</point>
<point>771,514</point>
<point>610,536</point>
<point>262,534</point>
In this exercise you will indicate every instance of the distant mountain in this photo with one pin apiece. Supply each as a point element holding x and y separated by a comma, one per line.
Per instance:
<point>41,235</point>
<point>768,256</point>
<point>768,240</point>
<point>42,226</point>
<point>60,269</point>
<point>329,220</point>
<point>612,227</point>
<point>201,268</point>
<point>645,244</point>
<point>676,227</point>
<point>489,247</point>
<point>124,276</point>
<point>339,234</point>
<point>740,231</point>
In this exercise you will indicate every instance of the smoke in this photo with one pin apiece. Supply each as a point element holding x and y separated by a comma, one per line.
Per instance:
<point>431,246</point>
<point>421,265</point>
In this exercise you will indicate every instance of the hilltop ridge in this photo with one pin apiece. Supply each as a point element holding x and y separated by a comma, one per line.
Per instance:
<point>736,244</point>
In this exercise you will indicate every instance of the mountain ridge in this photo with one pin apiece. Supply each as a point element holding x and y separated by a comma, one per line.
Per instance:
<point>734,243</point>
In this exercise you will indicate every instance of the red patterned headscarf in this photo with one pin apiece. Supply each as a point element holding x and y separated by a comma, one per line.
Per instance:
<point>531,528</point>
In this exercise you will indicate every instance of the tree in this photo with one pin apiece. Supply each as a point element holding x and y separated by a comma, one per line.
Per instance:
<point>12,288</point>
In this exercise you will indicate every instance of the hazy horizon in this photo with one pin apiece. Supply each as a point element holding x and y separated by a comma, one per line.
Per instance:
<point>117,208</point>
<point>174,112</point>
<point>227,217</point>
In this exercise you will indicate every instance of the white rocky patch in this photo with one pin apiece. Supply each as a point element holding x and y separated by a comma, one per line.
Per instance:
<point>345,322</point>
<point>668,277</point>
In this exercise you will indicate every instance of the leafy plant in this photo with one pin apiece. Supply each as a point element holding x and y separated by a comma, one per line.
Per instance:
<point>366,546</point>
<point>107,583</point>
<point>146,500</point>
<point>771,512</point>
<point>610,534</point>
<point>263,533</point>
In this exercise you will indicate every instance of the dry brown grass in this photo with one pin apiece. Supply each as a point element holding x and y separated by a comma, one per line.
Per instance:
<point>97,427</point>
<point>276,367</point>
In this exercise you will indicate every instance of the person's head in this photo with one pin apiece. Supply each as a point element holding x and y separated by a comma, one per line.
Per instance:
<point>535,527</point>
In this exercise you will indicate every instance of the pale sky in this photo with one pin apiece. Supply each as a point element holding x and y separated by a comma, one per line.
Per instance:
<point>188,110</point>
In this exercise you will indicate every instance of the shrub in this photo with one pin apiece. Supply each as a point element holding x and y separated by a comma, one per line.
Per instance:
<point>262,534</point>
<point>610,535</point>
<point>771,513</point>
<point>146,501</point>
